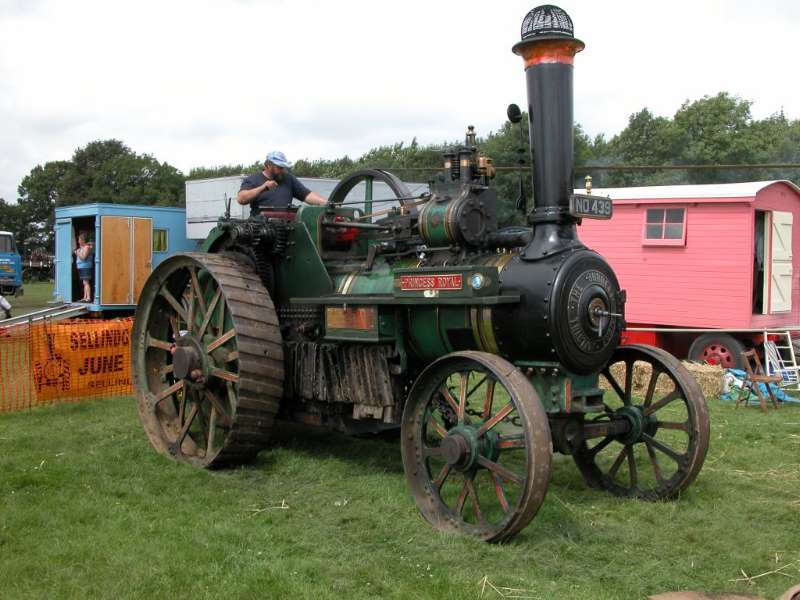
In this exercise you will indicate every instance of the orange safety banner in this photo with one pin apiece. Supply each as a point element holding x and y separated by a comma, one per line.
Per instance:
<point>60,361</point>
<point>15,376</point>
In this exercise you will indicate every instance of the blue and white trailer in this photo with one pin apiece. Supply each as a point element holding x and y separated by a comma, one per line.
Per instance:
<point>129,241</point>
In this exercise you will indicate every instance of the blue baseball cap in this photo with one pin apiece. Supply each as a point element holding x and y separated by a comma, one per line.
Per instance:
<point>278,158</point>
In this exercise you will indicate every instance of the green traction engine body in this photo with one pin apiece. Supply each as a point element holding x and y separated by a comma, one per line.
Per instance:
<point>489,347</point>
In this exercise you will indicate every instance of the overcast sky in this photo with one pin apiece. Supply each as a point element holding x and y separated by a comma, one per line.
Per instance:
<point>201,83</point>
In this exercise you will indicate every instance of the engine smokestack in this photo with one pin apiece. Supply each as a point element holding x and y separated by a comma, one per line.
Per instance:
<point>548,49</point>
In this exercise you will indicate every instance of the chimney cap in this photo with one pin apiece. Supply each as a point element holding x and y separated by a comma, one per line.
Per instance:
<point>548,21</point>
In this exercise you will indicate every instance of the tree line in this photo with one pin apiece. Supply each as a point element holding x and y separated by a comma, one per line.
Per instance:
<point>713,130</point>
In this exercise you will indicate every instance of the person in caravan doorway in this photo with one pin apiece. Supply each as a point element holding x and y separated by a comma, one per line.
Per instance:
<point>6,306</point>
<point>84,260</point>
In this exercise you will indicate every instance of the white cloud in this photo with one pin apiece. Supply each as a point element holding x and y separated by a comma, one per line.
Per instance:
<point>204,83</point>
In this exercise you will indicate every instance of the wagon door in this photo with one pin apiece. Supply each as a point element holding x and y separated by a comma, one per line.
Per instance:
<point>115,260</point>
<point>65,242</point>
<point>142,254</point>
<point>781,262</point>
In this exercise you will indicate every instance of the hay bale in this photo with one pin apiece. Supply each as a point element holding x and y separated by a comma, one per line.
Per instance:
<point>708,377</point>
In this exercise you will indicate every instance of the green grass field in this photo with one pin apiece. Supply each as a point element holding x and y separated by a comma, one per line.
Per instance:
<point>36,297</point>
<point>87,509</point>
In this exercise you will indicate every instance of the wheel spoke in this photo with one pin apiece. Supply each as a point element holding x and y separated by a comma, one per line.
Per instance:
<point>449,398</point>
<point>198,292</point>
<point>500,470</point>
<point>209,313</point>
<point>187,424</point>
<point>612,472</point>
<point>628,382</point>
<point>477,385</point>
<point>462,497</point>
<point>462,396</point>
<point>223,418</point>
<point>231,395</point>
<point>654,461</point>
<point>212,425</point>
<point>190,312</point>
<point>176,306</point>
<point>679,425</point>
<point>436,427</point>
<point>487,404</point>
<point>156,343</point>
<point>476,505</point>
<point>600,445</point>
<point>613,382</point>
<point>515,440</point>
<point>182,409</point>
<point>498,489</point>
<point>232,356</point>
<point>226,375</point>
<point>228,335</point>
<point>167,392</point>
<point>673,395</point>
<point>678,458</point>
<point>166,369</point>
<point>651,386</point>
<point>442,477</point>
<point>499,416</point>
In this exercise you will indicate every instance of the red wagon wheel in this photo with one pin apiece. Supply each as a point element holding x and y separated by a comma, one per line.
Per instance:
<point>717,349</point>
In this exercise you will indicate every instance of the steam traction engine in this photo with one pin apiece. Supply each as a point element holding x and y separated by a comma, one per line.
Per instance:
<point>489,347</point>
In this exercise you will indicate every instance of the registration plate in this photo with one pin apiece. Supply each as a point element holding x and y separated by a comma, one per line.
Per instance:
<point>586,206</point>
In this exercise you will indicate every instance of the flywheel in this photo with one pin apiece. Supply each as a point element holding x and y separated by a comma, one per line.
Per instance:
<point>207,360</point>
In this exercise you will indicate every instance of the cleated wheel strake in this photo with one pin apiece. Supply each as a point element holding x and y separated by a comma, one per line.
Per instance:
<point>207,360</point>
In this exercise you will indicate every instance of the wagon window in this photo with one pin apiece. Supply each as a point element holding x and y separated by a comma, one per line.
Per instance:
<point>159,240</point>
<point>665,226</point>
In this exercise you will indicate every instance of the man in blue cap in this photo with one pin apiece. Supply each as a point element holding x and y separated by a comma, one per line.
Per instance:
<point>274,187</point>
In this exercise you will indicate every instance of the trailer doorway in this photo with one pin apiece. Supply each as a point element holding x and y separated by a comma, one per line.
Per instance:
<point>759,262</point>
<point>86,226</point>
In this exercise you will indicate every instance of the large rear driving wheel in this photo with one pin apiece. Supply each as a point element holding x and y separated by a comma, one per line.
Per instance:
<point>207,360</point>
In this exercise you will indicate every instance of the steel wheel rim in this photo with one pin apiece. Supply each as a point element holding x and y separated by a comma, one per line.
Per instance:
<point>667,449</point>
<point>490,489</point>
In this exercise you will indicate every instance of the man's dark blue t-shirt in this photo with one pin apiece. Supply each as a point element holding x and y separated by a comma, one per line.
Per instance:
<point>280,197</point>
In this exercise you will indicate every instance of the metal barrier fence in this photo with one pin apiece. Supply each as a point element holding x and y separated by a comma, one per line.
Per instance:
<point>64,361</point>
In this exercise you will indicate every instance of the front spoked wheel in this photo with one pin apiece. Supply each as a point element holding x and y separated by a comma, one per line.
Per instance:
<point>476,446</point>
<point>664,439</point>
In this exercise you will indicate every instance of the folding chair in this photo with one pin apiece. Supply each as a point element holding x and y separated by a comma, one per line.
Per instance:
<point>754,378</point>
